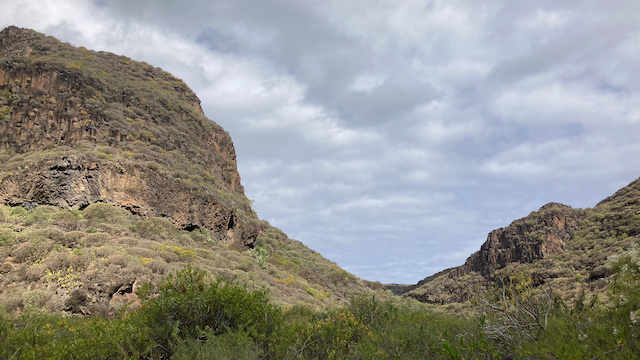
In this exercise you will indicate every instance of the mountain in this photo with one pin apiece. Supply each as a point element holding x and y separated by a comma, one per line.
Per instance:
<point>557,245</point>
<point>111,175</point>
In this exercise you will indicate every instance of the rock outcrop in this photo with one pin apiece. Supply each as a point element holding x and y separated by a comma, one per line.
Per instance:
<point>540,235</point>
<point>561,247</point>
<point>79,127</point>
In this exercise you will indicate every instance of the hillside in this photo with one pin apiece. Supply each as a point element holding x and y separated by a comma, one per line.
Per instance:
<point>111,175</point>
<point>557,245</point>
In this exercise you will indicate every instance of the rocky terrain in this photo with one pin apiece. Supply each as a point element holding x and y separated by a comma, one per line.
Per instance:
<point>111,175</point>
<point>109,129</point>
<point>557,245</point>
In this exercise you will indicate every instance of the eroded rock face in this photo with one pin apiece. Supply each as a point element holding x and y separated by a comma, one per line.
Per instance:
<point>79,127</point>
<point>538,236</point>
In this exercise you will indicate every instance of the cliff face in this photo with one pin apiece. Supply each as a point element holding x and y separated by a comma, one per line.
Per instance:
<point>563,247</point>
<point>537,236</point>
<point>79,127</point>
<point>540,235</point>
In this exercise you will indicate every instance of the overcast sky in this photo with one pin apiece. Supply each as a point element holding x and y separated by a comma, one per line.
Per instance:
<point>392,136</point>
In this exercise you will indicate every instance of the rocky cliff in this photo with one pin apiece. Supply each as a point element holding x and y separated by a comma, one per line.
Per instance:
<point>557,245</point>
<point>111,176</point>
<point>540,235</point>
<point>79,127</point>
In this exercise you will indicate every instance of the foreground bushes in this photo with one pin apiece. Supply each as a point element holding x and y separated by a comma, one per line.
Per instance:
<point>189,307</point>
<point>189,315</point>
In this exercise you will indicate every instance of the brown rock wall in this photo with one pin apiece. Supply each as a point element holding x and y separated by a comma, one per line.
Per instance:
<point>63,109</point>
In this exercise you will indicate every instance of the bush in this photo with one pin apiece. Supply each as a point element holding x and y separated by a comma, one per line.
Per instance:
<point>190,305</point>
<point>260,255</point>
<point>231,346</point>
<point>5,213</point>
<point>41,214</point>
<point>156,226</point>
<point>106,213</point>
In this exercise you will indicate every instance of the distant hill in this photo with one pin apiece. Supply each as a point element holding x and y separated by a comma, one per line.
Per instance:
<point>557,245</point>
<point>111,175</point>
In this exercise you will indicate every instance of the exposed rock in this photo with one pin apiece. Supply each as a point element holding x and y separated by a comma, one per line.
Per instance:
<point>87,127</point>
<point>540,235</point>
<point>564,248</point>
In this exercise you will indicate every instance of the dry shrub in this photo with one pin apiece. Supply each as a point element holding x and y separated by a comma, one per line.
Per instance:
<point>23,252</point>
<point>237,246</point>
<point>159,267</point>
<point>186,240</point>
<point>141,252</point>
<point>97,239</point>
<point>54,304</point>
<point>5,213</point>
<point>128,241</point>
<point>73,239</point>
<point>11,300</point>
<point>36,298</point>
<point>34,273</point>
<point>155,227</point>
<point>29,251</point>
<point>245,265</point>
<point>374,285</point>
<point>5,251</point>
<point>5,268</point>
<point>68,221</point>
<point>205,254</point>
<point>51,233</point>
<point>137,271</point>
<point>78,262</point>
<point>169,256</point>
<point>57,261</point>
<point>118,259</point>
<point>103,251</point>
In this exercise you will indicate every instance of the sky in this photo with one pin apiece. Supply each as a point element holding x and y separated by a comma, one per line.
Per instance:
<point>393,136</point>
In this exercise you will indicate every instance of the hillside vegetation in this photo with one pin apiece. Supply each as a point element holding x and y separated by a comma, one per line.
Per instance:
<point>189,315</point>
<point>92,261</point>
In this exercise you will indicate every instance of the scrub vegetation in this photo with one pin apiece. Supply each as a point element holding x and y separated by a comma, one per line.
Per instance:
<point>190,315</point>
<point>52,252</point>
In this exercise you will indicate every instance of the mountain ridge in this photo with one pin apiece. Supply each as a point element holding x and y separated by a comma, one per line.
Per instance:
<point>556,245</point>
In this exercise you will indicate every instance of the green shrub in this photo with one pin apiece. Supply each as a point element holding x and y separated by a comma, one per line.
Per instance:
<point>189,304</point>
<point>260,255</point>
<point>38,335</point>
<point>41,214</point>
<point>7,236</point>
<point>107,213</point>
<point>231,346</point>
<point>5,213</point>
<point>156,226</point>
